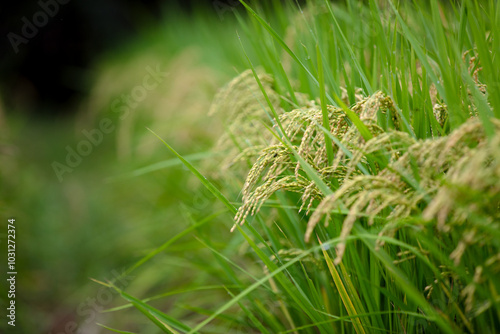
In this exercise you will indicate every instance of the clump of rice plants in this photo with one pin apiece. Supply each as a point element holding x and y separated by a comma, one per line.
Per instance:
<point>394,179</point>
<point>369,137</point>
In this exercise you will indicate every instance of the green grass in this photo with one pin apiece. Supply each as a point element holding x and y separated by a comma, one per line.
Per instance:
<point>371,203</point>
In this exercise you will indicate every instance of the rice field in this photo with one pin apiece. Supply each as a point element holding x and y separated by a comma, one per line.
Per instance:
<point>302,167</point>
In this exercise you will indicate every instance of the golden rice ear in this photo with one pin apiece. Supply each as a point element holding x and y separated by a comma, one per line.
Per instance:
<point>452,170</point>
<point>239,106</point>
<point>387,191</point>
<point>388,188</point>
<point>276,168</point>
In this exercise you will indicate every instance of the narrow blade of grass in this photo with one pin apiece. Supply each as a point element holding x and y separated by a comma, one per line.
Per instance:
<point>114,330</point>
<point>324,110</point>
<point>351,310</point>
<point>166,323</point>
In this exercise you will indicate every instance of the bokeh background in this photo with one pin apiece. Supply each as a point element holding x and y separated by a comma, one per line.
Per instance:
<point>83,86</point>
<point>129,194</point>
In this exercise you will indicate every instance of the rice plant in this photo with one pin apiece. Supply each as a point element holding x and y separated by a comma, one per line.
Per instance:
<point>361,166</point>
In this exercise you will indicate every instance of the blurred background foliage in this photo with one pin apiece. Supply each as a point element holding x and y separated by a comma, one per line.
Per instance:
<point>100,218</point>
